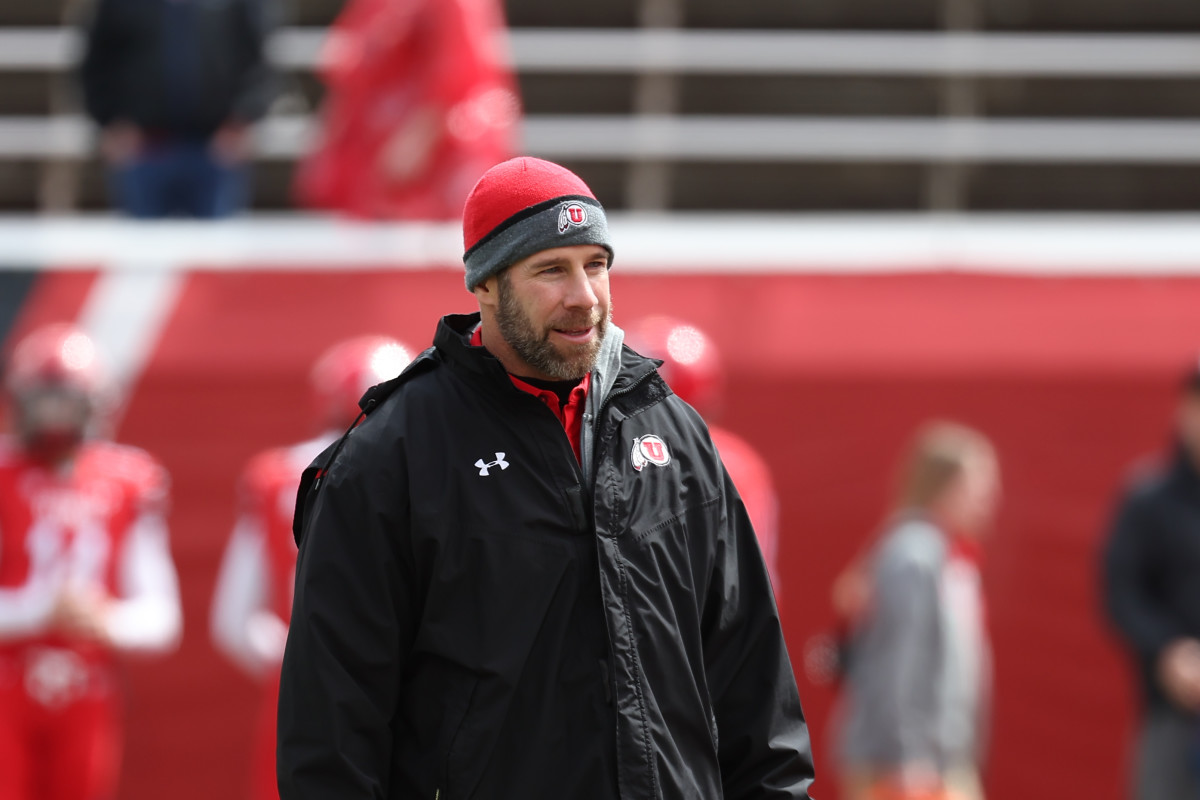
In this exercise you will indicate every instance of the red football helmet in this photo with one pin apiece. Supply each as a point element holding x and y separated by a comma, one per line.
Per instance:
<point>56,383</point>
<point>347,369</point>
<point>691,363</point>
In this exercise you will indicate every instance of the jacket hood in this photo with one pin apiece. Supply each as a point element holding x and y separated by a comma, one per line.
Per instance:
<point>608,364</point>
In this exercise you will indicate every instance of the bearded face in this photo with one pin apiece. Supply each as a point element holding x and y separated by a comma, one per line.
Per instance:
<point>1189,424</point>
<point>564,345</point>
<point>52,422</point>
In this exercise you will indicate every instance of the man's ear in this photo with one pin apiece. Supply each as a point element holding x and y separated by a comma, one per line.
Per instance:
<point>487,292</point>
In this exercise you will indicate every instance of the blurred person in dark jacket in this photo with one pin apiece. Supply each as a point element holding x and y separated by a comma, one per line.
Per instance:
<point>420,101</point>
<point>174,86</point>
<point>1152,589</point>
<point>918,681</point>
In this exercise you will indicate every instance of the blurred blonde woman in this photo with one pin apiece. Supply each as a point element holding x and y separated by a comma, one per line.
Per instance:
<point>918,675</point>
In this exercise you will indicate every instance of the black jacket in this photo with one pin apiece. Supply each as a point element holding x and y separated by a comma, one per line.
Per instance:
<point>131,71</point>
<point>466,629</point>
<point>1152,566</point>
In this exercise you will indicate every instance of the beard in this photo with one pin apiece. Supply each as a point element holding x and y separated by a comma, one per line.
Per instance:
<point>52,423</point>
<point>534,347</point>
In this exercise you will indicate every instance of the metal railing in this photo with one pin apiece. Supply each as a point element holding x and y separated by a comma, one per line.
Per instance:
<point>653,137</point>
<point>690,243</point>
<point>739,139</point>
<point>626,51</point>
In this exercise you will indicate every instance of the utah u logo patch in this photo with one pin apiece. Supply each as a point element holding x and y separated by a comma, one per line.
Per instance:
<point>649,449</point>
<point>571,215</point>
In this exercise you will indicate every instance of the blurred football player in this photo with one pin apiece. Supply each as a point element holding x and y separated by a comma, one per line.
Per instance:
<point>253,597</point>
<point>85,572</point>
<point>692,368</point>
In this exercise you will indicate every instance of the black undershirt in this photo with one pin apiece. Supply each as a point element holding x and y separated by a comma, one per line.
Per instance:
<point>562,389</point>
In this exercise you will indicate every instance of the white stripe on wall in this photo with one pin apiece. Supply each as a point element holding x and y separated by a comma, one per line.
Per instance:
<point>125,313</point>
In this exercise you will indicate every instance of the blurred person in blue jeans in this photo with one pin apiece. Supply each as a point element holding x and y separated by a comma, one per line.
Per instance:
<point>1152,589</point>
<point>174,86</point>
<point>918,678</point>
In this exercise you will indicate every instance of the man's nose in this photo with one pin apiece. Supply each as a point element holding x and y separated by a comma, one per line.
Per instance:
<point>580,293</point>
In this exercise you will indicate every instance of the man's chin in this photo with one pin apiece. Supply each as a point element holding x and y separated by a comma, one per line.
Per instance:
<point>575,361</point>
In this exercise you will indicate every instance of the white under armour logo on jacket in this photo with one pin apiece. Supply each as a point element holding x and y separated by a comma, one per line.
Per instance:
<point>484,466</point>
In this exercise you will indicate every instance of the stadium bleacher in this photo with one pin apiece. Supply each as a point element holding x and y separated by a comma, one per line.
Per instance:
<point>706,105</point>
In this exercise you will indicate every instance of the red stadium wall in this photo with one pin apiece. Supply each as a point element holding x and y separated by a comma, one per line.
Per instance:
<point>1073,379</point>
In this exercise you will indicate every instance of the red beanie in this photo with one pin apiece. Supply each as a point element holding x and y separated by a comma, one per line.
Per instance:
<point>525,205</point>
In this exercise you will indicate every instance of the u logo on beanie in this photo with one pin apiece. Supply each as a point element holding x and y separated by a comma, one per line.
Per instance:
<point>571,214</point>
<point>523,206</point>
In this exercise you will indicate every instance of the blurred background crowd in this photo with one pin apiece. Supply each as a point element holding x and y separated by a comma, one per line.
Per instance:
<point>931,270</point>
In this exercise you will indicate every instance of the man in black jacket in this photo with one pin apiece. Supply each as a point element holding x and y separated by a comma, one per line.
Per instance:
<point>174,86</point>
<point>1152,574</point>
<point>526,574</point>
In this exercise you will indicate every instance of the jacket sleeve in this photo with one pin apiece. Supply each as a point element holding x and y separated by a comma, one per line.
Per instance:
<point>351,629</point>
<point>1129,576</point>
<point>147,617</point>
<point>763,740</point>
<point>243,625</point>
<point>897,671</point>
<point>259,83</point>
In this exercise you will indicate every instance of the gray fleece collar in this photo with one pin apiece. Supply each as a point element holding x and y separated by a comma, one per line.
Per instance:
<point>608,362</point>
<point>608,366</point>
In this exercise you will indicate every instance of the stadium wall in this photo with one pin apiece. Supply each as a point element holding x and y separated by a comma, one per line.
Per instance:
<point>1063,343</point>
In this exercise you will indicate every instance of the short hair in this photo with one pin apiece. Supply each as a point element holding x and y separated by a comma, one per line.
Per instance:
<point>935,457</point>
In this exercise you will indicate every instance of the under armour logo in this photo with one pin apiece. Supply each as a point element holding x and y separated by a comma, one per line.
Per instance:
<point>484,466</point>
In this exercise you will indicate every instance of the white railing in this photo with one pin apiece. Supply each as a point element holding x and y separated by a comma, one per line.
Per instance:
<point>1046,244</point>
<point>739,139</point>
<point>673,138</point>
<point>570,51</point>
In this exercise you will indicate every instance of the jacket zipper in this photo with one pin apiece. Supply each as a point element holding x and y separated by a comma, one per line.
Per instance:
<point>587,472</point>
<point>606,676</point>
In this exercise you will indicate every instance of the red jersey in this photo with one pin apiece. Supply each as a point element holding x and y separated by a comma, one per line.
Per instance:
<point>69,528</point>
<point>752,477</point>
<point>253,598</point>
<point>433,65</point>
<point>95,525</point>
<point>255,585</point>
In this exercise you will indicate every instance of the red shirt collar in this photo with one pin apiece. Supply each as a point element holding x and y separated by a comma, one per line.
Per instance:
<point>570,415</point>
